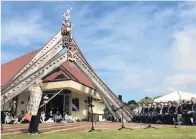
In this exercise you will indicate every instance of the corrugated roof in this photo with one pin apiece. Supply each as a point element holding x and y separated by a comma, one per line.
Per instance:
<point>70,72</point>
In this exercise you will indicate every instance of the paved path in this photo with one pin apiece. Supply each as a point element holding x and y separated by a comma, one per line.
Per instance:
<point>17,129</point>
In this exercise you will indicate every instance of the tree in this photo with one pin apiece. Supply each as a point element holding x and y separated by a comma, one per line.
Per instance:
<point>157,97</point>
<point>132,102</point>
<point>132,106</point>
<point>107,115</point>
<point>146,100</point>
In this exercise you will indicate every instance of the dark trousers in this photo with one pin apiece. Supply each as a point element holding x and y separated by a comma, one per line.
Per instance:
<point>37,120</point>
<point>144,118</point>
<point>157,117</point>
<point>34,123</point>
<point>164,119</point>
<point>149,119</point>
<point>186,118</point>
<point>172,117</point>
<point>194,118</point>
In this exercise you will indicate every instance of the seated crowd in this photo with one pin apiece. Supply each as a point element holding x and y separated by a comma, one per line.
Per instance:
<point>55,117</point>
<point>183,112</point>
<point>45,118</point>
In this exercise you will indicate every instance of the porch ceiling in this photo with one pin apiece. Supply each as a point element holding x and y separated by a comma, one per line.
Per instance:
<point>70,85</point>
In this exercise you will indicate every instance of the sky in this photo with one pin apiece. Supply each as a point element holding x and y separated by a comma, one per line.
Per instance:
<point>138,49</point>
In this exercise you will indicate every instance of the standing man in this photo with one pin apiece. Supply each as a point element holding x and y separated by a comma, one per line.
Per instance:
<point>33,107</point>
<point>44,101</point>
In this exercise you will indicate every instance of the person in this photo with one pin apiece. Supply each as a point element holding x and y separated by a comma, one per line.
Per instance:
<point>172,113</point>
<point>50,117</point>
<point>21,115</point>
<point>164,113</point>
<point>145,115</point>
<point>167,115</point>
<point>140,113</point>
<point>191,111</point>
<point>12,107</point>
<point>185,114</point>
<point>58,117</point>
<point>136,111</point>
<point>154,105</point>
<point>179,112</point>
<point>194,111</point>
<point>9,119</point>
<point>157,117</point>
<point>150,112</point>
<point>67,118</point>
<point>35,119</point>
<point>42,118</point>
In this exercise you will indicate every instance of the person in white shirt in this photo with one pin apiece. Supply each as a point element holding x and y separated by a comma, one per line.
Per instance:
<point>50,117</point>
<point>9,119</point>
<point>42,118</point>
<point>58,117</point>
<point>68,118</point>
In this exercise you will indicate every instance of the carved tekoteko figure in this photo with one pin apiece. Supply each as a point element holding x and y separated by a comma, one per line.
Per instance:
<point>66,29</point>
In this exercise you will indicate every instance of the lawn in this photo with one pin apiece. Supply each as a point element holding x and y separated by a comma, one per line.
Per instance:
<point>164,133</point>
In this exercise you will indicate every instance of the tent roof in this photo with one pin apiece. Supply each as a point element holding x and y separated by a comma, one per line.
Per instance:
<point>175,96</point>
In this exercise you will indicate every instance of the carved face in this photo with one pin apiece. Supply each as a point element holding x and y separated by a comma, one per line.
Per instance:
<point>68,24</point>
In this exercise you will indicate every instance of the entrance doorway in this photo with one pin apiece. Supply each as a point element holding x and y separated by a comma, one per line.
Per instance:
<point>55,103</point>
<point>59,102</point>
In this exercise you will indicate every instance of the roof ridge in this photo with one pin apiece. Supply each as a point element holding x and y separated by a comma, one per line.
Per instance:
<point>67,72</point>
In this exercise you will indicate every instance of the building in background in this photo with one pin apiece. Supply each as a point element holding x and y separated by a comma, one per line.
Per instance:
<point>77,88</point>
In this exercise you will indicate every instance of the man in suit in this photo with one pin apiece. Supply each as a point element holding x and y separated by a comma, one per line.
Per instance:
<point>145,113</point>
<point>179,112</point>
<point>157,117</point>
<point>150,113</point>
<point>164,114</point>
<point>153,113</point>
<point>172,113</point>
<point>193,100</point>
<point>140,117</point>
<point>185,112</point>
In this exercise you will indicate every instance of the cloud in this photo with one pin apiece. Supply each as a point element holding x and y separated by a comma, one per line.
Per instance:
<point>185,49</point>
<point>182,81</point>
<point>146,47</point>
<point>25,31</point>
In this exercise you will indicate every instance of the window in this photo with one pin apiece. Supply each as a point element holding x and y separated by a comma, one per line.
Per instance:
<point>75,104</point>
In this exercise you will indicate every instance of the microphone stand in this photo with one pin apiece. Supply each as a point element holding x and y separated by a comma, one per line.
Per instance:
<point>92,126</point>
<point>149,123</point>
<point>122,126</point>
<point>175,125</point>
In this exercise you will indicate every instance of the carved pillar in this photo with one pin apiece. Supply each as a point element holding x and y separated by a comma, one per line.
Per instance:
<point>35,98</point>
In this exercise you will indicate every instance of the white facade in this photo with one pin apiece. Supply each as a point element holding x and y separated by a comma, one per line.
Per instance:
<point>81,114</point>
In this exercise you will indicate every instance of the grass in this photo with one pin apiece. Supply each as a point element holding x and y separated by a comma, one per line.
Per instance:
<point>164,133</point>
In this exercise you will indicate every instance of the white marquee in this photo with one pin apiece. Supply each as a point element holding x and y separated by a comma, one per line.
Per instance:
<point>176,96</point>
